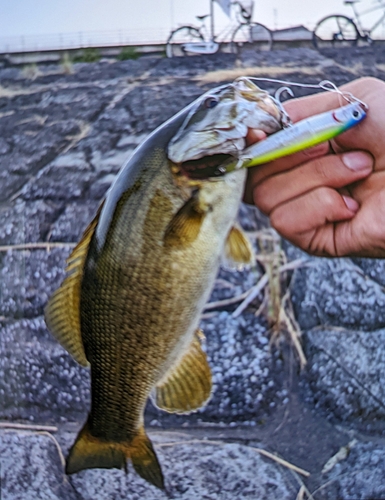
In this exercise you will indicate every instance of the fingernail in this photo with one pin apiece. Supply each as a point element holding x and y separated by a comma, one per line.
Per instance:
<point>352,205</point>
<point>357,161</point>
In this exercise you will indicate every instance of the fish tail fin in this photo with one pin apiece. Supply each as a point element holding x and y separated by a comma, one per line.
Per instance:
<point>144,459</point>
<point>91,452</point>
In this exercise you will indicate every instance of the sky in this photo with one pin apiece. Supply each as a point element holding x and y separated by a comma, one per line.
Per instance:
<point>151,19</point>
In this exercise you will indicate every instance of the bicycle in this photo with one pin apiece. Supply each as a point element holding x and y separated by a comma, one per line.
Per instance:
<point>192,40</point>
<point>339,30</point>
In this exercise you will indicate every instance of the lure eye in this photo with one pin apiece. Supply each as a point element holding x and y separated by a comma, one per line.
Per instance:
<point>211,102</point>
<point>356,114</point>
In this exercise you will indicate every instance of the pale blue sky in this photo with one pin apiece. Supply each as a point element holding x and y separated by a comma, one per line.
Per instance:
<point>151,18</point>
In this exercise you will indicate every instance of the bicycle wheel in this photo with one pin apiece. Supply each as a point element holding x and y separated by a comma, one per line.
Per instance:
<point>253,35</point>
<point>179,37</point>
<point>335,31</point>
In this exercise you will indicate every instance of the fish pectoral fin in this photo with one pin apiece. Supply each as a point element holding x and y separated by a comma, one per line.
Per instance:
<point>187,386</point>
<point>90,452</point>
<point>238,250</point>
<point>62,313</point>
<point>184,227</point>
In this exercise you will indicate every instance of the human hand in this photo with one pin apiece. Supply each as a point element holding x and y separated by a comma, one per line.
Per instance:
<point>330,204</point>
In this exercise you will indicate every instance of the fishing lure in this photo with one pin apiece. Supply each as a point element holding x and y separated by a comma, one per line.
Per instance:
<point>303,134</point>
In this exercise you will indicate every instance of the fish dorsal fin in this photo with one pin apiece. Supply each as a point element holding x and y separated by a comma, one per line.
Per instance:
<point>187,386</point>
<point>238,249</point>
<point>184,227</point>
<point>62,313</point>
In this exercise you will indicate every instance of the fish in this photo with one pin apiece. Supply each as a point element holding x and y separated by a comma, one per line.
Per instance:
<point>137,282</point>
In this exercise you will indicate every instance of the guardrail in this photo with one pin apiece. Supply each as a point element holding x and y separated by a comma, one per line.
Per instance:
<point>78,40</point>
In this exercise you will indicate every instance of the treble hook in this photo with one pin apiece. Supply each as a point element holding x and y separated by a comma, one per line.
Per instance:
<point>281,90</point>
<point>286,121</point>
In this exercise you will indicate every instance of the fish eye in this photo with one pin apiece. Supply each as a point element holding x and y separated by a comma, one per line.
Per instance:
<point>211,102</point>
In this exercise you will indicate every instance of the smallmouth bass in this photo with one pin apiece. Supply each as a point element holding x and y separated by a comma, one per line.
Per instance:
<point>138,280</point>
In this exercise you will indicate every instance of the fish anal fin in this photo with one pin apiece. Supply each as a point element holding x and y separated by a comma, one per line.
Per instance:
<point>184,227</point>
<point>238,249</point>
<point>62,313</point>
<point>187,386</point>
<point>90,452</point>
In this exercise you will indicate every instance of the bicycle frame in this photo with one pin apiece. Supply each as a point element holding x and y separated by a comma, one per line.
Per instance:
<point>204,48</point>
<point>201,39</point>
<point>357,17</point>
<point>228,30</point>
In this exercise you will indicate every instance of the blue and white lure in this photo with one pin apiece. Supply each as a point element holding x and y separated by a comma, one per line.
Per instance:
<point>303,134</point>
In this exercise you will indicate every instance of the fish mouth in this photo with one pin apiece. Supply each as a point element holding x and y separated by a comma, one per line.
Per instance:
<point>205,167</point>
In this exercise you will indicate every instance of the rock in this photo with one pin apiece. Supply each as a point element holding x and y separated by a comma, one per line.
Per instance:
<point>70,225</point>
<point>360,476</point>
<point>346,374</point>
<point>373,268</point>
<point>60,184</point>
<point>39,381</point>
<point>336,292</point>
<point>192,471</point>
<point>28,278</point>
<point>27,222</point>
<point>32,468</point>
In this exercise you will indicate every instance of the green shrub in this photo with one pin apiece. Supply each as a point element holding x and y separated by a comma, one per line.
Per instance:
<point>88,55</point>
<point>128,53</point>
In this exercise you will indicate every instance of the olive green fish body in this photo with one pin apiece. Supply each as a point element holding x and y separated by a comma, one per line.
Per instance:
<point>138,280</point>
<point>141,299</point>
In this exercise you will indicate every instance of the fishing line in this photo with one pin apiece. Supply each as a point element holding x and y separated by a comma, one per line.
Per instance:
<point>326,85</point>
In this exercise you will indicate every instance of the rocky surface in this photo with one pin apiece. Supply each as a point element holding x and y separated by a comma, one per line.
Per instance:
<point>63,138</point>
<point>33,467</point>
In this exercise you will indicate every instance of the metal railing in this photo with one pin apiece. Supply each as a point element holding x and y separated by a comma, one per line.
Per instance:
<point>61,41</point>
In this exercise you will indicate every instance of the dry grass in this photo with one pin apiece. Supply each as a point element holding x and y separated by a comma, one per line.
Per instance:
<point>28,427</point>
<point>268,71</point>
<point>31,71</point>
<point>36,246</point>
<point>276,304</point>
<point>85,128</point>
<point>66,64</point>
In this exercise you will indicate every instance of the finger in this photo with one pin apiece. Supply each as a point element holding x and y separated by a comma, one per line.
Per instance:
<point>331,171</point>
<point>366,89</point>
<point>255,135</point>
<point>308,221</point>
<point>261,172</point>
<point>368,133</point>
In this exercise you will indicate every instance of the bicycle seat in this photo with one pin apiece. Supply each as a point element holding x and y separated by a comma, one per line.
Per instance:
<point>200,18</point>
<point>347,2</point>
